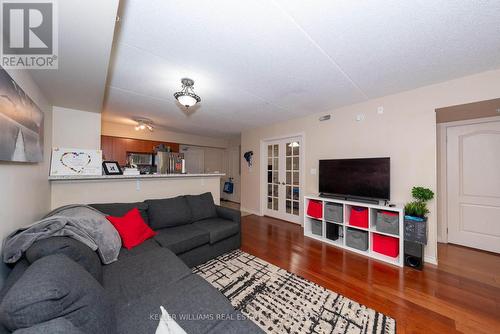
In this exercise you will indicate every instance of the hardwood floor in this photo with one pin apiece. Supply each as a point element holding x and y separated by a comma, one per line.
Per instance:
<point>461,295</point>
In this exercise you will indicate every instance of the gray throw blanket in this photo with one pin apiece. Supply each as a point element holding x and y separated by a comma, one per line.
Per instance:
<point>80,222</point>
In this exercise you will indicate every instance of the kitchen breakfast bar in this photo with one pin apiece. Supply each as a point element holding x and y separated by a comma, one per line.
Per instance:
<point>130,188</point>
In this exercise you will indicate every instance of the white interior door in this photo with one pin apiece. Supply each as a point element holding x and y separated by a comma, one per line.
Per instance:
<point>283,179</point>
<point>195,159</point>
<point>473,185</point>
<point>232,158</point>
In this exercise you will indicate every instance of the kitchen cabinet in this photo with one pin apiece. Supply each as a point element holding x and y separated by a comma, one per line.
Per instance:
<point>116,148</point>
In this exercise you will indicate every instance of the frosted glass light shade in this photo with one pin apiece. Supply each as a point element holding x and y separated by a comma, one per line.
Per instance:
<point>187,100</point>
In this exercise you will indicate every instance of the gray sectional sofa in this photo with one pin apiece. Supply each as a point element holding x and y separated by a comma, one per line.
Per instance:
<point>60,285</point>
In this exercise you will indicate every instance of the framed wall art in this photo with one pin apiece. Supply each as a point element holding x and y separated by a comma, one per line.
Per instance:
<point>75,161</point>
<point>21,123</point>
<point>111,168</point>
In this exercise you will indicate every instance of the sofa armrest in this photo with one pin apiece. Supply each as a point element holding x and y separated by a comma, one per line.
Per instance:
<point>229,214</point>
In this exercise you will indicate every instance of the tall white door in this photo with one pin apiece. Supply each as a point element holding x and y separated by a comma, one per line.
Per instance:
<point>473,185</point>
<point>283,179</point>
<point>232,159</point>
<point>195,159</point>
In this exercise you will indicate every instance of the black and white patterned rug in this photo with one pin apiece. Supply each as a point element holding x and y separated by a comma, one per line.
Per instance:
<point>281,302</point>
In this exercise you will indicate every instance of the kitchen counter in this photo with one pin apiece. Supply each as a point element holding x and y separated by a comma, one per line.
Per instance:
<point>117,177</point>
<point>87,189</point>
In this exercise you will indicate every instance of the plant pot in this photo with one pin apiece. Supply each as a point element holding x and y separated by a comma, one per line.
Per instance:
<point>415,229</point>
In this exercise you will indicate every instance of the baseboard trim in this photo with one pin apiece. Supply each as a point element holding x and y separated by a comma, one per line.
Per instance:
<point>431,260</point>
<point>253,212</point>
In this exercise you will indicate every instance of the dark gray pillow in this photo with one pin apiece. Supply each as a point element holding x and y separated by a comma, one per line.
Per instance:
<point>55,326</point>
<point>168,212</point>
<point>202,206</point>
<point>74,249</point>
<point>53,287</point>
<point>120,209</point>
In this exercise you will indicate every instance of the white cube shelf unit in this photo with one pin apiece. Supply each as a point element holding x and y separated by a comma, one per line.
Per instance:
<point>317,228</point>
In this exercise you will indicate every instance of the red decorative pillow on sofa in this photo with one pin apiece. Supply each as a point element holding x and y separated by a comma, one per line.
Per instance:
<point>132,228</point>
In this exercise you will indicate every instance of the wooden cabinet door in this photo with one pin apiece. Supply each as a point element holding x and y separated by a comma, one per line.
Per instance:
<point>107,148</point>
<point>120,150</point>
<point>116,148</point>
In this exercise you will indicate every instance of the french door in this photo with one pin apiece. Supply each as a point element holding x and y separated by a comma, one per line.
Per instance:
<point>283,179</point>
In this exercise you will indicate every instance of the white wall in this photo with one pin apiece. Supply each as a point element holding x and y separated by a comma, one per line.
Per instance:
<point>128,131</point>
<point>24,190</point>
<point>406,132</point>
<point>215,159</point>
<point>76,129</point>
<point>232,163</point>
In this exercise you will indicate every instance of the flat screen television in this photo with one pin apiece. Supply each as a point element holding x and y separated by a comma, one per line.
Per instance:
<point>368,178</point>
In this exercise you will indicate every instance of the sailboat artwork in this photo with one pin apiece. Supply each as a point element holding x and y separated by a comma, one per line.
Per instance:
<point>21,123</point>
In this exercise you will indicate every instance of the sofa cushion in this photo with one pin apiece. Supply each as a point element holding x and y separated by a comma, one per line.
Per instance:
<point>146,246</point>
<point>55,326</point>
<point>74,249</point>
<point>183,238</point>
<point>228,213</point>
<point>202,206</point>
<point>218,228</point>
<point>191,301</point>
<point>56,286</point>
<point>132,228</point>
<point>120,209</point>
<point>14,275</point>
<point>128,279</point>
<point>168,212</point>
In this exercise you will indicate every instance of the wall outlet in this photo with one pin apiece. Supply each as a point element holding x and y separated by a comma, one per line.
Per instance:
<point>313,171</point>
<point>360,117</point>
<point>380,110</point>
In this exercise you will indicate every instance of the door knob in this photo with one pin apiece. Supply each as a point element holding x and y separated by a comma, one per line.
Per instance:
<point>283,183</point>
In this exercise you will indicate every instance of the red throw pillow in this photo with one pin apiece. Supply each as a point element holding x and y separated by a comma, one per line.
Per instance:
<point>132,228</point>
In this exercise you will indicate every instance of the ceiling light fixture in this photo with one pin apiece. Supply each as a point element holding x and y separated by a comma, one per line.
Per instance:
<point>143,124</point>
<point>186,96</point>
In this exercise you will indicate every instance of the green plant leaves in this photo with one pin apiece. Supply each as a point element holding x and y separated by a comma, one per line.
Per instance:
<point>418,207</point>
<point>422,194</point>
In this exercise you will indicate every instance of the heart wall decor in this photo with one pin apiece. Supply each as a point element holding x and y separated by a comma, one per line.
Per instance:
<point>68,161</point>
<point>76,161</point>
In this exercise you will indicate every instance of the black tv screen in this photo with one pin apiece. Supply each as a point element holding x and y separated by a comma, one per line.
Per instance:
<point>364,178</point>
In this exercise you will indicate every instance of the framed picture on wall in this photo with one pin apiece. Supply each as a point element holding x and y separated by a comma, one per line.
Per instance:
<point>111,168</point>
<point>21,123</point>
<point>75,161</point>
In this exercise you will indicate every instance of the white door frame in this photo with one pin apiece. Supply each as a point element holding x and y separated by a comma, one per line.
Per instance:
<point>442,198</point>
<point>263,171</point>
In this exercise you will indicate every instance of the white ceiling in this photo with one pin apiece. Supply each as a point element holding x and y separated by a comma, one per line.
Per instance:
<point>86,30</point>
<point>259,62</point>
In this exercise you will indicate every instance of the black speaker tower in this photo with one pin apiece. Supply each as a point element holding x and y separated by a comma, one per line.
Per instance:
<point>414,255</point>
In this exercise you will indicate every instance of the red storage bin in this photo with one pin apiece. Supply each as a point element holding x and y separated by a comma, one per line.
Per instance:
<point>385,245</point>
<point>315,209</point>
<point>359,217</point>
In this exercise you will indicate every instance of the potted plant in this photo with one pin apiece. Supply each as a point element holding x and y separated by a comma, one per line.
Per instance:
<point>416,215</point>
<point>418,207</point>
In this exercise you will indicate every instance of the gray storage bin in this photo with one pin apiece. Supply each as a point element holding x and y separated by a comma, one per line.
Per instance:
<point>387,222</point>
<point>317,227</point>
<point>357,239</point>
<point>334,212</point>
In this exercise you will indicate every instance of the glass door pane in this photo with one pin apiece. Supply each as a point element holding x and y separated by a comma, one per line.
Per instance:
<point>292,184</point>
<point>273,177</point>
